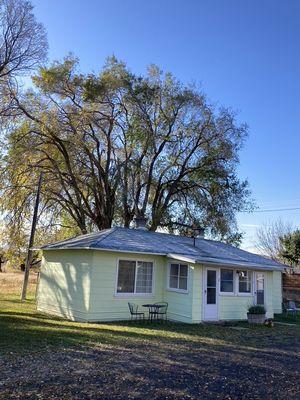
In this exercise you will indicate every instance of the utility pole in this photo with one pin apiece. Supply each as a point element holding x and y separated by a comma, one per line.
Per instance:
<point>31,240</point>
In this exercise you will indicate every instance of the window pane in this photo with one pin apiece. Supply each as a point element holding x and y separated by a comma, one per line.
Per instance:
<point>178,276</point>
<point>144,277</point>
<point>260,297</point>
<point>226,280</point>
<point>226,286</point>
<point>245,282</point>
<point>126,276</point>
<point>173,282</point>
<point>174,269</point>
<point>260,292</point>
<point>211,278</point>
<point>227,274</point>
<point>211,295</point>
<point>183,270</point>
<point>183,283</point>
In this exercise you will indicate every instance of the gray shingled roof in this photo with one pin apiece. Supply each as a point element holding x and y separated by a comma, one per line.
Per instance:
<point>177,247</point>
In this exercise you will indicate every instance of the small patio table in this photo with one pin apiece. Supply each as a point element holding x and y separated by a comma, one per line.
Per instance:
<point>153,310</point>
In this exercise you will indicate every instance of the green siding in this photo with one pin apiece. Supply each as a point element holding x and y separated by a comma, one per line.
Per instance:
<point>235,306</point>
<point>277,292</point>
<point>81,284</point>
<point>197,294</point>
<point>64,287</point>
<point>180,303</point>
<point>105,304</point>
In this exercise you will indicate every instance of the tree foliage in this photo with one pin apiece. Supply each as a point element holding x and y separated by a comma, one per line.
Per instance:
<point>23,46</point>
<point>23,42</point>
<point>115,145</point>
<point>290,251</point>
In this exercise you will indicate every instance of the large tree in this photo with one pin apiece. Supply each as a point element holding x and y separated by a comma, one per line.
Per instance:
<point>116,145</point>
<point>23,47</point>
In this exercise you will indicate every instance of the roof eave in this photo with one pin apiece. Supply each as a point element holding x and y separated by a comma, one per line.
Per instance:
<point>103,249</point>
<point>246,265</point>
<point>179,257</point>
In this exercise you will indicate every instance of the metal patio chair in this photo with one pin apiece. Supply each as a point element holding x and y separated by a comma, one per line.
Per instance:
<point>289,307</point>
<point>135,313</point>
<point>162,310</point>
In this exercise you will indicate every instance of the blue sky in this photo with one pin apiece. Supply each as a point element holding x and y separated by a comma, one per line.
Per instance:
<point>245,54</point>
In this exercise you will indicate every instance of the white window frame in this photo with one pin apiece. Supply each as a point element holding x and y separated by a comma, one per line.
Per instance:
<point>251,293</point>
<point>185,291</point>
<point>134,294</point>
<point>236,291</point>
<point>233,281</point>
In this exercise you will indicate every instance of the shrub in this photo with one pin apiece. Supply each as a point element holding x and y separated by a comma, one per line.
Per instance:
<point>256,310</point>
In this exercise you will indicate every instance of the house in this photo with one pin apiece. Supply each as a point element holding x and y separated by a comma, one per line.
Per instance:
<point>93,277</point>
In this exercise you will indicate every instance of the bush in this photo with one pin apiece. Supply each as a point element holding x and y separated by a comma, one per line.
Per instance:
<point>256,310</point>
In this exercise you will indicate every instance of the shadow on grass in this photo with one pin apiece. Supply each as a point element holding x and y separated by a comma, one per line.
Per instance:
<point>16,301</point>
<point>165,360</point>
<point>22,331</point>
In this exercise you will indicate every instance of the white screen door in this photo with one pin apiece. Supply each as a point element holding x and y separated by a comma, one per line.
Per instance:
<point>210,295</point>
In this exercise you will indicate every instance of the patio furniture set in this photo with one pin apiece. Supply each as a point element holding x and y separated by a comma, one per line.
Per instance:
<point>156,312</point>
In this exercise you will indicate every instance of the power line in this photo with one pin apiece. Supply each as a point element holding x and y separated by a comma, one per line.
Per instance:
<point>277,209</point>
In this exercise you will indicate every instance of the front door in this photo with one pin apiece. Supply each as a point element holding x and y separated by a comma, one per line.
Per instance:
<point>260,288</point>
<point>210,298</point>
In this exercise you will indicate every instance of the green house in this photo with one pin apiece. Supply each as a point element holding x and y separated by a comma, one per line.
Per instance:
<point>93,277</point>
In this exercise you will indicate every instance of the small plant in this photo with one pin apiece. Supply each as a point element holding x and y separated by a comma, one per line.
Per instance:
<point>256,309</point>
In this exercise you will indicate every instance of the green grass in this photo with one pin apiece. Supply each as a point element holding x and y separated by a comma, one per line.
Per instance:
<point>290,319</point>
<point>22,328</point>
<point>132,360</point>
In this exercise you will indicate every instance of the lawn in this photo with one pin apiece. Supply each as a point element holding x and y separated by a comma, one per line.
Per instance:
<point>49,358</point>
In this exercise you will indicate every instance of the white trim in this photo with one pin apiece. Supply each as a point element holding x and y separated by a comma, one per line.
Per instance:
<point>233,283</point>
<point>247,294</point>
<point>134,294</point>
<point>103,249</point>
<point>177,290</point>
<point>170,289</point>
<point>236,283</point>
<point>251,267</point>
<point>179,257</point>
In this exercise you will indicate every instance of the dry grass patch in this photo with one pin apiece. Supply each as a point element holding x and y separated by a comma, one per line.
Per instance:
<point>11,282</point>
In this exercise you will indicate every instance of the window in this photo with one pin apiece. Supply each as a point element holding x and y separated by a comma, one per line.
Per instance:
<point>226,281</point>
<point>211,286</point>
<point>135,277</point>
<point>144,277</point>
<point>245,281</point>
<point>178,277</point>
